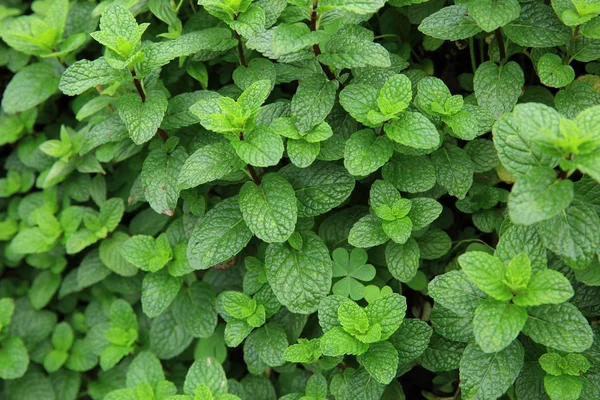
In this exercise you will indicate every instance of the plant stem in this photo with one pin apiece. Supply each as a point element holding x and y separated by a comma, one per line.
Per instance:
<point>138,85</point>
<point>500,41</point>
<point>472,54</point>
<point>251,170</point>
<point>316,49</point>
<point>574,37</point>
<point>240,48</point>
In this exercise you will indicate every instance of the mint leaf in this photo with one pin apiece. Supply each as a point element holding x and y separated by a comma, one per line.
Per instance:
<point>300,279</point>
<point>159,289</point>
<point>545,287</point>
<point>487,272</point>
<point>85,74</point>
<point>498,89</point>
<point>142,118</point>
<point>491,14</point>
<point>413,129</point>
<point>313,101</point>
<point>489,375</point>
<point>261,147</point>
<point>220,234</point>
<point>497,324</point>
<point>381,361</point>
<point>208,164</point>
<point>539,196</point>
<point>453,170</point>
<point>29,87</point>
<point>553,72</point>
<point>270,210</point>
<point>537,26</point>
<point>455,291</point>
<point>450,23</point>
<point>365,152</point>
<point>403,259</point>
<point>551,324</point>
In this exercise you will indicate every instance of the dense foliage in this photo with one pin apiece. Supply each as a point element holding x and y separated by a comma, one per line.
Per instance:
<point>300,200</point>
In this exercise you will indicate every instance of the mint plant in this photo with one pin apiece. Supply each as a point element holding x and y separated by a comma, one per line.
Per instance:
<point>299,200</point>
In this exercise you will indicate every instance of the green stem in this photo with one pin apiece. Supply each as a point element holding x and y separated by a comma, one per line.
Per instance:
<point>472,54</point>
<point>574,37</point>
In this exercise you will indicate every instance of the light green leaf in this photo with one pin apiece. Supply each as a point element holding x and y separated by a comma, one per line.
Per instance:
<point>85,74</point>
<point>553,72</point>
<point>545,287</point>
<point>271,342</point>
<point>413,129</point>
<point>206,371</point>
<point>496,324</point>
<point>456,292</point>
<point>367,232</point>
<point>302,153</point>
<point>395,95</point>
<point>14,358</point>
<point>487,272</point>
<point>353,6</point>
<point>337,342</point>
<point>411,339</point>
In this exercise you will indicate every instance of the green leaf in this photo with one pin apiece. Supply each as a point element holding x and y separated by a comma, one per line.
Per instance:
<point>450,23</point>
<point>489,375</point>
<point>194,310</point>
<point>492,14</point>
<point>498,88</point>
<point>142,118</point>
<point>337,342</point>
<point>399,230</point>
<point>453,170</point>
<point>423,212</point>
<point>365,152</point>
<point>159,289</point>
<point>381,361</point>
<point>353,47</point>
<point>261,147</point>
<point>220,234</point>
<point>516,148</point>
<point>145,368</point>
<point>539,196</point>
<point>313,101</point>
<point>358,100</point>
<point>496,324</point>
<point>271,342</point>
<point>545,287</point>
<point>353,6</point>
<point>411,339</point>
<point>395,95</point>
<point>387,311</point>
<point>413,129</point>
<point>30,87</point>
<point>455,291</point>
<point>353,318</point>
<point>14,358</point>
<point>537,26</point>
<point>206,371</point>
<point>299,278</point>
<point>208,164</point>
<point>270,210</point>
<point>442,355</point>
<point>237,304</point>
<point>563,387</point>
<point>553,72</point>
<point>403,259</point>
<point>167,338</point>
<point>560,326</point>
<point>367,232</point>
<point>159,178</point>
<point>85,74</point>
<point>573,234</point>
<point>302,153</point>
<point>410,174</point>
<point>43,288</point>
<point>143,251</point>
<point>319,188</point>
<point>487,272</point>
